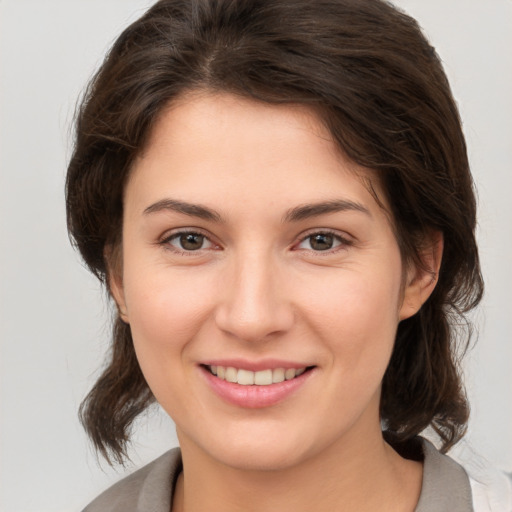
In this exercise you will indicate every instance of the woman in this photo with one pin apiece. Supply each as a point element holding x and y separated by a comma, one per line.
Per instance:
<point>278,197</point>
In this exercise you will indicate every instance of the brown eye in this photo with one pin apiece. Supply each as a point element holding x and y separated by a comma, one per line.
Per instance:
<point>189,241</point>
<point>321,241</point>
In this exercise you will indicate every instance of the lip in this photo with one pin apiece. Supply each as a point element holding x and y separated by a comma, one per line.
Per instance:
<point>254,397</point>
<point>255,366</point>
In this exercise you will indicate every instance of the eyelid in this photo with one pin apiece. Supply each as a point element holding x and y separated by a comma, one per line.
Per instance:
<point>168,235</point>
<point>344,239</point>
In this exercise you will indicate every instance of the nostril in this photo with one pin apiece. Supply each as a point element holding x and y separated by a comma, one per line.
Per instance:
<point>254,321</point>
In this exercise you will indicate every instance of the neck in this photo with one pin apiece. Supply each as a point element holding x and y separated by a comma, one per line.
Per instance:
<point>361,476</point>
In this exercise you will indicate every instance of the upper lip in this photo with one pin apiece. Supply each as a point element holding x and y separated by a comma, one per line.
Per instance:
<point>255,366</point>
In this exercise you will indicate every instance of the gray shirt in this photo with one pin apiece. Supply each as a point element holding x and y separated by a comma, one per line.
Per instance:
<point>445,486</point>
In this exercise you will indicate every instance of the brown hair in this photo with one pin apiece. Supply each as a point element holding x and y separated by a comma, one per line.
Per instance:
<point>378,85</point>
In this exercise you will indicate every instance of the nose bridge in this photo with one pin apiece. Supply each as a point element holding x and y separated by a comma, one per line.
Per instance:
<point>253,304</point>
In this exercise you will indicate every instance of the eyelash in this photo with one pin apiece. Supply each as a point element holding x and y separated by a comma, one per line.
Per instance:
<point>343,242</point>
<point>166,242</point>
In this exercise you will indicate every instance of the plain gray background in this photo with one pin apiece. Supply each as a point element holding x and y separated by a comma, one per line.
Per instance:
<point>54,326</point>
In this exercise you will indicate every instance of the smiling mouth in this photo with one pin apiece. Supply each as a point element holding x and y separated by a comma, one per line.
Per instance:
<point>259,378</point>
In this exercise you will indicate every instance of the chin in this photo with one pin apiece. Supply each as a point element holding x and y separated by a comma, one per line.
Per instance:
<point>260,457</point>
<point>274,448</point>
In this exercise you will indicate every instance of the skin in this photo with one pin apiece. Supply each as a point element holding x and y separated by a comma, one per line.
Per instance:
<point>257,288</point>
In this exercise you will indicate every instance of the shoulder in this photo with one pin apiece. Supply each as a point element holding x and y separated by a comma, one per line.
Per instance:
<point>491,487</point>
<point>445,484</point>
<point>464,481</point>
<point>149,488</point>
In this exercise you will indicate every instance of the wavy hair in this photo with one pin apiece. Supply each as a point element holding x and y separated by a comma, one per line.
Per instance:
<point>374,80</point>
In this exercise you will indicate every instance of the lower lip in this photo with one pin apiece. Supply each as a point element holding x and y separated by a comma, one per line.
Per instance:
<point>255,397</point>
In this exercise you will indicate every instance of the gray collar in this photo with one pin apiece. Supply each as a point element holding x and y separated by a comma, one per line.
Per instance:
<point>445,486</point>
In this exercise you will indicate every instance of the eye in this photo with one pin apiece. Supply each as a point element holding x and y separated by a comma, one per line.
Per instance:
<point>188,241</point>
<point>322,241</point>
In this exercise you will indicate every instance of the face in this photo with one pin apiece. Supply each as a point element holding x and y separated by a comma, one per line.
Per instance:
<point>262,282</point>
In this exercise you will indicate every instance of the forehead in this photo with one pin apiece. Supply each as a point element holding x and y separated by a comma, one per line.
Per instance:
<point>207,145</point>
<point>215,119</point>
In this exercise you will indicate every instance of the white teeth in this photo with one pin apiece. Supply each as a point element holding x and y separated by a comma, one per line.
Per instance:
<point>260,378</point>
<point>231,374</point>
<point>277,375</point>
<point>289,374</point>
<point>263,378</point>
<point>245,377</point>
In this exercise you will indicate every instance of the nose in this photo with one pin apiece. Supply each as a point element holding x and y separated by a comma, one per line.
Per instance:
<point>253,305</point>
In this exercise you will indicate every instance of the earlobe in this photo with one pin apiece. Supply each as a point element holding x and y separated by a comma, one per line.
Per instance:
<point>117,292</point>
<point>115,281</point>
<point>421,279</point>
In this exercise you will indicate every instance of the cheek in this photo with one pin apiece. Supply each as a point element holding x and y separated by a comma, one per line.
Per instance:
<point>357,303</point>
<point>166,310</point>
<point>357,318</point>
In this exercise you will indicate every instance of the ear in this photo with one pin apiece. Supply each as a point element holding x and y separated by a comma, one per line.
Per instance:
<point>421,279</point>
<point>113,257</point>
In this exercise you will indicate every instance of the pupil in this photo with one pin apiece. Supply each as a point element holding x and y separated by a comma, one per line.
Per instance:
<point>322,242</point>
<point>191,241</point>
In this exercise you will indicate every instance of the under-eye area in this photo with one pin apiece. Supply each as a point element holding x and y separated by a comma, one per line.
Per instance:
<point>257,378</point>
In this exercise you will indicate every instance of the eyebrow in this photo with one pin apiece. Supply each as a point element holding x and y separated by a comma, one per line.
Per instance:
<point>194,210</point>
<point>307,211</point>
<point>296,214</point>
